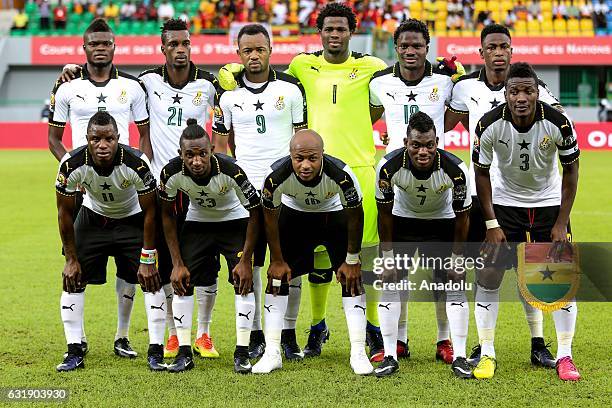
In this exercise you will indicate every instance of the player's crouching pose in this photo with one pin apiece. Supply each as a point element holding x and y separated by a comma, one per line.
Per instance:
<point>118,184</point>
<point>423,197</point>
<point>313,188</point>
<point>216,224</point>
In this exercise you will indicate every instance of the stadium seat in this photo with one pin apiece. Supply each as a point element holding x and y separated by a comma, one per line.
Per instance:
<point>559,26</point>
<point>467,33</point>
<point>454,33</point>
<point>546,5</point>
<point>586,26</point>
<point>533,27</point>
<point>547,28</point>
<point>573,27</point>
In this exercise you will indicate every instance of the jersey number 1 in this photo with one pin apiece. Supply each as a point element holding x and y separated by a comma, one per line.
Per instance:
<point>174,112</point>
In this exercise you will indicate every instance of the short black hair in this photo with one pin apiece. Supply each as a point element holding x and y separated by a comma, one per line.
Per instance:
<point>494,29</point>
<point>337,10</point>
<point>193,131</point>
<point>412,25</point>
<point>173,24</point>
<point>102,118</point>
<point>421,122</point>
<point>253,29</point>
<point>99,25</point>
<point>521,70</point>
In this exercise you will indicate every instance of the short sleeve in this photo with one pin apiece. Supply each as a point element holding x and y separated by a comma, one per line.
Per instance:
<point>457,101</point>
<point>247,194</point>
<point>222,120</point>
<point>350,192</point>
<point>384,185</point>
<point>462,198</point>
<point>374,100</point>
<point>67,180</point>
<point>168,187</point>
<point>140,113</point>
<point>142,178</point>
<point>567,143</point>
<point>546,95</point>
<point>271,192</point>
<point>298,108</point>
<point>482,154</point>
<point>59,105</point>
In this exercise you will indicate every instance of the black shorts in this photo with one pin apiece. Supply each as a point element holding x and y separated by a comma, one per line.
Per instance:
<point>261,246</point>
<point>477,230</point>
<point>164,260</point>
<point>301,232</point>
<point>98,237</point>
<point>202,243</point>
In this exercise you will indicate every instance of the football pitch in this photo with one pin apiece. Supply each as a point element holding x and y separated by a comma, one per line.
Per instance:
<point>32,341</point>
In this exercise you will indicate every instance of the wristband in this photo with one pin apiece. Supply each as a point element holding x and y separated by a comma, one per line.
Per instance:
<point>490,224</point>
<point>276,283</point>
<point>352,259</point>
<point>388,254</point>
<point>148,256</point>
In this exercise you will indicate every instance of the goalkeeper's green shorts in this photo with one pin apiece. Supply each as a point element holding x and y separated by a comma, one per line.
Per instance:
<point>367,181</point>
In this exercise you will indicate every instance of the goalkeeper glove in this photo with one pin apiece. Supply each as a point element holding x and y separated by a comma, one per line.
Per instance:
<point>452,67</point>
<point>228,74</point>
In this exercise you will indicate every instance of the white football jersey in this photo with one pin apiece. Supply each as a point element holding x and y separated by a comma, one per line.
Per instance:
<point>226,194</point>
<point>474,95</point>
<point>402,98</point>
<point>170,107</point>
<point>526,157</point>
<point>334,188</point>
<point>112,192</point>
<point>263,120</point>
<point>77,101</point>
<point>438,193</point>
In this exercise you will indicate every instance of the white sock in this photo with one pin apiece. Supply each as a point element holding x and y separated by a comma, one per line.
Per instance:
<point>206,296</point>
<point>356,321</point>
<point>169,293</point>
<point>125,301</point>
<point>245,306</point>
<point>442,319</point>
<point>275,308</point>
<point>565,325</point>
<point>485,312</point>
<point>535,318</point>
<point>402,326</point>
<point>83,336</point>
<point>293,303</point>
<point>182,308</point>
<point>257,290</point>
<point>388,316</point>
<point>156,306</point>
<point>458,312</point>
<point>71,308</point>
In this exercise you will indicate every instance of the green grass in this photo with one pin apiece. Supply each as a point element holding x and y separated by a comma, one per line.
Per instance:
<point>32,340</point>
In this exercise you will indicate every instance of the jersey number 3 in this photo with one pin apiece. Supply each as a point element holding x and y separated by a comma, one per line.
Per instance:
<point>525,163</point>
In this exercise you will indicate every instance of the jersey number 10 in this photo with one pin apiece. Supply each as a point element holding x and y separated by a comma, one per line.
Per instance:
<point>409,110</point>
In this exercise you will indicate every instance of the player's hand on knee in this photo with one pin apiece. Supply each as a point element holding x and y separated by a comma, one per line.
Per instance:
<point>350,276</point>
<point>228,74</point>
<point>69,72</point>
<point>180,278</point>
<point>558,235</point>
<point>242,275</point>
<point>278,272</point>
<point>495,241</point>
<point>71,276</point>
<point>148,277</point>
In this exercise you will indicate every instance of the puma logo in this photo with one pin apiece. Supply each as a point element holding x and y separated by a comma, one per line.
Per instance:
<point>296,286</point>
<point>459,177</point>
<point>129,297</point>
<point>272,182</point>
<point>562,126</point>
<point>315,69</point>
<point>142,166</point>
<point>567,309</point>
<point>240,173</point>
<point>160,307</point>
<point>238,106</point>
<point>472,98</point>
<point>483,306</point>
<point>391,96</point>
<point>360,307</point>
<point>268,307</point>
<point>504,142</point>
<point>158,95</point>
<point>457,304</point>
<point>179,319</point>
<point>246,316</point>
<point>79,96</point>
<point>385,306</point>
<point>318,275</point>
<point>346,180</point>
<point>68,307</point>
<point>169,296</point>
<point>211,292</point>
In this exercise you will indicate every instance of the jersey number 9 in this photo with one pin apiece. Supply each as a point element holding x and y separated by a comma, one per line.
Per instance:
<point>261,123</point>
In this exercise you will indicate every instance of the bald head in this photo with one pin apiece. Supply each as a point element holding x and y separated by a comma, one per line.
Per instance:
<point>306,139</point>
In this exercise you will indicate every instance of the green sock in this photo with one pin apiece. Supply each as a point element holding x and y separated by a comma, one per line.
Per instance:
<point>318,301</point>
<point>372,297</point>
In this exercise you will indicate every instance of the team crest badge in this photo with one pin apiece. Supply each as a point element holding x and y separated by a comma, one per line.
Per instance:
<point>52,100</point>
<point>384,186</point>
<point>545,143</point>
<point>329,195</point>
<point>61,179</point>
<point>223,190</point>
<point>123,96</point>
<point>280,103</point>
<point>197,100</point>
<point>543,283</point>
<point>353,74</point>
<point>218,115</point>
<point>125,184</point>
<point>434,96</point>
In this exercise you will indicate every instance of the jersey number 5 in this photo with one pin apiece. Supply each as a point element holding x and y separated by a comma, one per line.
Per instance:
<point>174,112</point>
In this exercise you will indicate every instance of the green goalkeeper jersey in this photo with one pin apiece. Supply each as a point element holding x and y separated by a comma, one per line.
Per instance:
<point>337,97</point>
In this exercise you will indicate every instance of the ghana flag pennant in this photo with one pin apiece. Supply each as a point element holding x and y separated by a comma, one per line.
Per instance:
<point>545,284</point>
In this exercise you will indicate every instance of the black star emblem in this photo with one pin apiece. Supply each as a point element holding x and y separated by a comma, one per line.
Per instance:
<point>412,96</point>
<point>421,188</point>
<point>176,99</point>
<point>547,273</point>
<point>524,145</point>
<point>311,194</point>
<point>494,103</point>
<point>258,105</point>
<point>101,98</point>
<point>203,193</point>
<point>105,186</point>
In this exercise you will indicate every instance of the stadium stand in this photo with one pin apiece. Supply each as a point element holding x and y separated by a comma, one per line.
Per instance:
<point>454,18</point>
